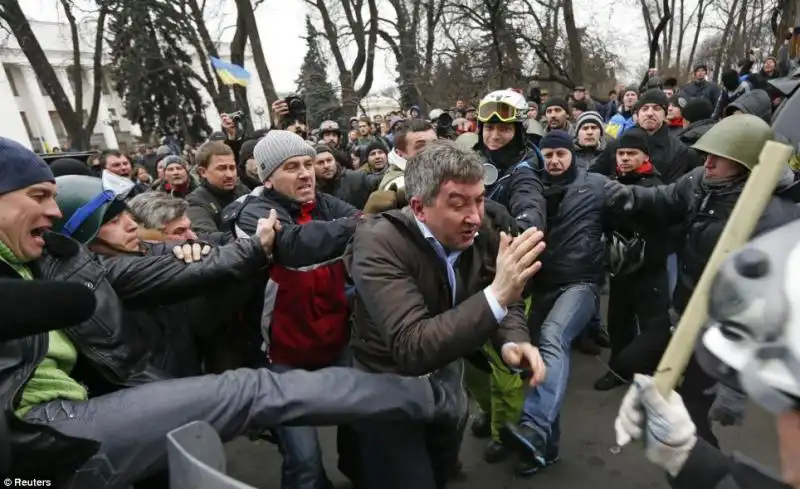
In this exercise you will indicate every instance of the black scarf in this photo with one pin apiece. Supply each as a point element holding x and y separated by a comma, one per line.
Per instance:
<point>555,188</point>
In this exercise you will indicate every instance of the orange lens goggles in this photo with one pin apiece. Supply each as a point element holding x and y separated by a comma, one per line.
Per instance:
<point>500,110</point>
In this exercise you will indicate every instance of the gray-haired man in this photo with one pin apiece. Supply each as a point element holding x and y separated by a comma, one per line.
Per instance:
<point>434,284</point>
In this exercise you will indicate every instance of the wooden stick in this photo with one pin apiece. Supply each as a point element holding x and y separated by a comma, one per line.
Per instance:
<point>749,207</point>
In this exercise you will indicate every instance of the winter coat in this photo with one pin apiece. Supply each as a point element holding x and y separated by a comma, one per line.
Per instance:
<point>206,204</point>
<point>702,211</point>
<point>350,186</point>
<point>708,467</point>
<point>405,320</point>
<point>694,131</point>
<point>707,89</point>
<point>756,103</point>
<point>574,236</point>
<point>304,321</point>
<point>585,157</point>
<point>670,156</point>
<point>519,187</point>
<point>106,348</point>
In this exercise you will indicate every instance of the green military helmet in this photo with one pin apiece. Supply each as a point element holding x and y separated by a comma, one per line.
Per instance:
<point>739,138</point>
<point>467,141</point>
<point>85,203</point>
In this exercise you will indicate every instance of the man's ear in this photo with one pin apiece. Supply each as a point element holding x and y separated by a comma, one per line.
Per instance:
<point>267,184</point>
<point>201,172</point>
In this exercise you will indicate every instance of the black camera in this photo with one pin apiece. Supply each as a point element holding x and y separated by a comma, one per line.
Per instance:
<point>236,116</point>
<point>297,109</point>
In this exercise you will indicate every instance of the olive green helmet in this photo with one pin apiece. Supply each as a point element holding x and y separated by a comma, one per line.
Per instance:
<point>84,202</point>
<point>739,138</point>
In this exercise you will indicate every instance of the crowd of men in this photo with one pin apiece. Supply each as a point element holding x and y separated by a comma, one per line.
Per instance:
<point>374,276</point>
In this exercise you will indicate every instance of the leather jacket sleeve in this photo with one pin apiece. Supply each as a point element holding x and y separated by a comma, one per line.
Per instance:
<point>665,204</point>
<point>151,280</point>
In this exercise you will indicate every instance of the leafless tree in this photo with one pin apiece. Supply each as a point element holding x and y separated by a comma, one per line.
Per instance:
<point>78,130</point>
<point>353,26</point>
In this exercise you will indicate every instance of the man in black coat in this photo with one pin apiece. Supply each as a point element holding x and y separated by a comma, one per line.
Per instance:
<point>668,154</point>
<point>639,297</point>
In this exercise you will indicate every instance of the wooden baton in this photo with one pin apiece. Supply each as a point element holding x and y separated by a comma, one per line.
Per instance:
<point>749,207</point>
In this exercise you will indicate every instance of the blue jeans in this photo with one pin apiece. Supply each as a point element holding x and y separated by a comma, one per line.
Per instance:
<point>563,314</point>
<point>672,272</point>
<point>302,455</point>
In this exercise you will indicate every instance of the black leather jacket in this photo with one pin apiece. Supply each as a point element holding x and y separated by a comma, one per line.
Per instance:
<point>102,342</point>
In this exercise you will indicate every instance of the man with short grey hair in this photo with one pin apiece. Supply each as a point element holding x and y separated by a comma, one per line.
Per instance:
<point>434,283</point>
<point>161,217</point>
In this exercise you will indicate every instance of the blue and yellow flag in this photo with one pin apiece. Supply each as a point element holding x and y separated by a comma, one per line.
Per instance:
<point>229,73</point>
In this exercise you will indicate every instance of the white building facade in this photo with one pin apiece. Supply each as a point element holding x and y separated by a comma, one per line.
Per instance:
<point>31,118</point>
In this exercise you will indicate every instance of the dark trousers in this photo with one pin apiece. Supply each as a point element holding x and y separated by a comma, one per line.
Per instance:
<point>642,356</point>
<point>406,455</point>
<point>637,304</point>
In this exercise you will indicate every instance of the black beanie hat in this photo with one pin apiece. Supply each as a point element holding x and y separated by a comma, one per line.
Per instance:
<point>21,167</point>
<point>246,151</point>
<point>69,166</point>
<point>653,96</point>
<point>376,144</point>
<point>557,102</point>
<point>634,139</point>
<point>697,109</point>
<point>557,139</point>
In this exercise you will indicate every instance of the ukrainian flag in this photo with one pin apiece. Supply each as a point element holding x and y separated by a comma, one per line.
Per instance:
<point>229,73</point>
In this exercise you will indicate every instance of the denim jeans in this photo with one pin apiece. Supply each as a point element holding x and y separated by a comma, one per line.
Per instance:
<point>132,424</point>
<point>563,313</point>
<point>302,455</point>
<point>672,272</point>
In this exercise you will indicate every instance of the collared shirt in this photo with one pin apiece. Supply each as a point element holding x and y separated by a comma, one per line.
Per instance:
<point>449,259</point>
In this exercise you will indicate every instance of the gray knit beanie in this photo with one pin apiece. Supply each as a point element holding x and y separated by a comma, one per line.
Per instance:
<point>277,147</point>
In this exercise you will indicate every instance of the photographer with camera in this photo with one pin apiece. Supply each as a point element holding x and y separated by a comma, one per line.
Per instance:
<point>443,122</point>
<point>290,114</point>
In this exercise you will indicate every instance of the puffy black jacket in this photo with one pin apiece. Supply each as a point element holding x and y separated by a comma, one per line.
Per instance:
<point>350,186</point>
<point>322,239</point>
<point>206,204</point>
<point>756,102</point>
<point>519,187</point>
<point>709,90</point>
<point>703,211</point>
<point>707,467</point>
<point>692,133</point>
<point>575,224</point>
<point>671,157</point>
<point>103,342</point>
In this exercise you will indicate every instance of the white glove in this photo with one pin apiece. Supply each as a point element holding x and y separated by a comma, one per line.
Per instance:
<point>669,433</point>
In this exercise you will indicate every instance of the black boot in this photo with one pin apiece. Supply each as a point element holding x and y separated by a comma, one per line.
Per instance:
<point>609,381</point>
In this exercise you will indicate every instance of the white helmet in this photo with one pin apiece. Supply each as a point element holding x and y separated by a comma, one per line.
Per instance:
<point>753,342</point>
<point>504,106</point>
<point>435,114</point>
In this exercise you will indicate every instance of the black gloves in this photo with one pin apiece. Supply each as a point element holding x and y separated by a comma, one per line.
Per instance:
<point>500,218</point>
<point>618,194</point>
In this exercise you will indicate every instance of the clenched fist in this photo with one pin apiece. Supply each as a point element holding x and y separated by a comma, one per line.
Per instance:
<point>266,230</point>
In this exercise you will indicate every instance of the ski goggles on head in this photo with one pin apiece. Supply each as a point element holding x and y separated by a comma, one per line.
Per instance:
<point>499,110</point>
<point>114,188</point>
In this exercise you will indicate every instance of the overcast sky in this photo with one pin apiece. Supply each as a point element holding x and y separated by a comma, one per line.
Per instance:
<point>281,23</point>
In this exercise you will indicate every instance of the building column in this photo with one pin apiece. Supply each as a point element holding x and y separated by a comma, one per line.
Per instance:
<point>63,78</point>
<point>41,116</point>
<point>109,136</point>
<point>12,126</point>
